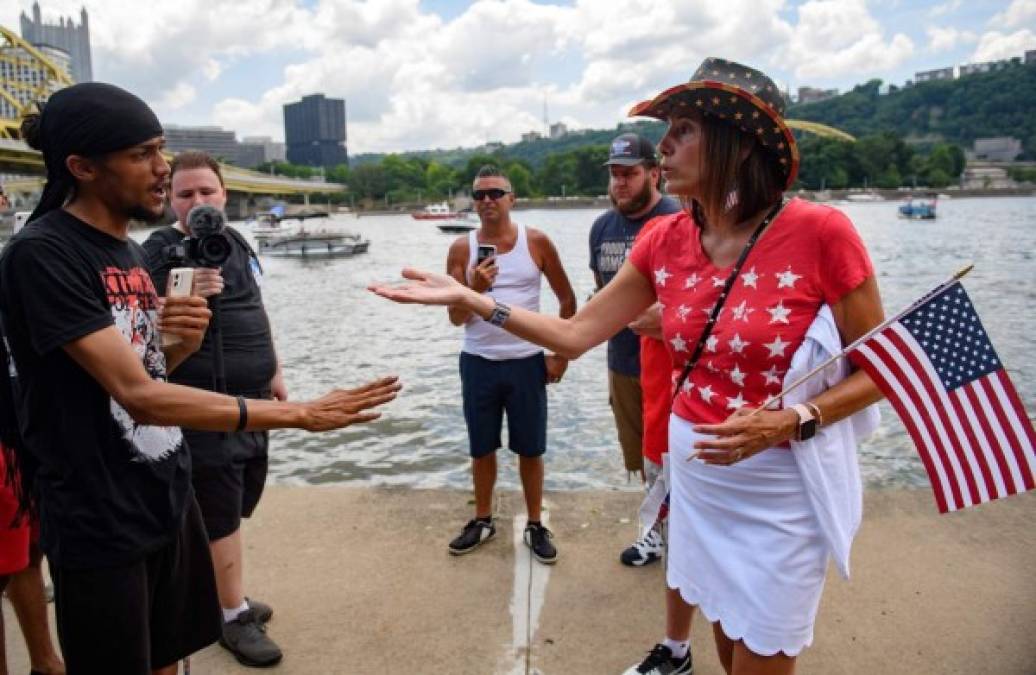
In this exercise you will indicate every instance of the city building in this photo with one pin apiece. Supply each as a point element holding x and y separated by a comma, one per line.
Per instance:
<point>273,151</point>
<point>999,149</point>
<point>933,75</point>
<point>1030,57</point>
<point>558,130</point>
<point>215,141</point>
<point>66,36</point>
<point>531,136</point>
<point>22,75</point>
<point>314,131</point>
<point>813,94</point>
<point>988,66</point>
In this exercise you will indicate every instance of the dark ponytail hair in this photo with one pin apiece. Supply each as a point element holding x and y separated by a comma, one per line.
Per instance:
<point>30,130</point>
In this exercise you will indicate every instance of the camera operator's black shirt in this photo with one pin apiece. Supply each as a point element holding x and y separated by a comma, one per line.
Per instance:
<point>109,490</point>
<point>248,355</point>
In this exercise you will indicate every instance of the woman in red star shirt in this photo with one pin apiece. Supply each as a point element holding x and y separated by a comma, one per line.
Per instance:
<point>744,543</point>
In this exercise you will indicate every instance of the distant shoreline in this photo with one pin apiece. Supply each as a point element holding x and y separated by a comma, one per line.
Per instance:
<point>527,204</point>
<point>541,203</point>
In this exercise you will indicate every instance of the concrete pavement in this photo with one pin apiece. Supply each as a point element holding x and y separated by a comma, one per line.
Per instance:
<point>361,582</point>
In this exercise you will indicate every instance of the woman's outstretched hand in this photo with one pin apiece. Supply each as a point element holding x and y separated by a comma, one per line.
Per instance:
<point>425,288</point>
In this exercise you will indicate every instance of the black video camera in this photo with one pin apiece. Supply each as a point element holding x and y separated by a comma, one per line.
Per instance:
<point>206,245</point>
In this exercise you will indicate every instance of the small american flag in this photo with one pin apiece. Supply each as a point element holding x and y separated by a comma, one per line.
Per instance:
<point>939,370</point>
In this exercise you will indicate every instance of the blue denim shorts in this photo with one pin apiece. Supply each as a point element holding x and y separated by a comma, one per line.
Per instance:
<point>515,386</point>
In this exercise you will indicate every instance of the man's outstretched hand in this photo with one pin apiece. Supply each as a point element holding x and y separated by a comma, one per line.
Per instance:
<point>343,407</point>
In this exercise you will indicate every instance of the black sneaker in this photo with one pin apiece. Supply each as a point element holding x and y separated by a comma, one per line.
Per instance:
<point>645,550</point>
<point>537,538</point>
<point>263,612</point>
<point>660,661</point>
<point>245,638</point>
<point>474,534</point>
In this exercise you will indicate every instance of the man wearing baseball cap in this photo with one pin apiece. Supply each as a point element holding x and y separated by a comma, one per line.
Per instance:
<point>633,189</point>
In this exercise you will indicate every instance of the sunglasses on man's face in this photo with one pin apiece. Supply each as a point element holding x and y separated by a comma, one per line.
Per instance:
<point>492,193</point>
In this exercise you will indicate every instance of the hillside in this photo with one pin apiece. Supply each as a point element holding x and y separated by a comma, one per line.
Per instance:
<point>955,111</point>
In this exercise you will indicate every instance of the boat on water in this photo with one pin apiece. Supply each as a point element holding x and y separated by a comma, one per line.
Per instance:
<point>918,208</point>
<point>440,211</point>
<point>312,242</point>
<point>864,197</point>
<point>464,222</point>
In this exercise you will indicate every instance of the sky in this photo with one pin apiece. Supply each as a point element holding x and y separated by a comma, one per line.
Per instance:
<point>423,74</point>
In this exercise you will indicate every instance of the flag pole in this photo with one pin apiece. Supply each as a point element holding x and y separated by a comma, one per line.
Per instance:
<point>941,288</point>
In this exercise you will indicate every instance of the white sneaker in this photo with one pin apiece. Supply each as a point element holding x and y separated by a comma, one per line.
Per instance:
<point>645,550</point>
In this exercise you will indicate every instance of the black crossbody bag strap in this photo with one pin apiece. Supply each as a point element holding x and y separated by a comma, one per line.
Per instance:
<point>714,316</point>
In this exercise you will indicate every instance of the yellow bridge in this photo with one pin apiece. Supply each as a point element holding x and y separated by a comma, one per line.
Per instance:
<point>20,94</point>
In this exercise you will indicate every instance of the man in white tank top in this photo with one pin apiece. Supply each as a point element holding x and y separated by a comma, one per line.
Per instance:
<point>499,372</point>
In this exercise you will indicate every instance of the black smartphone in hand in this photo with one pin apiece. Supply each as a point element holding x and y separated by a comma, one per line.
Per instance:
<point>485,251</point>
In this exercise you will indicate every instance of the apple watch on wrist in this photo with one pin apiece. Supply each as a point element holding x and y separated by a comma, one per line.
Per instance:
<point>807,422</point>
<point>499,314</point>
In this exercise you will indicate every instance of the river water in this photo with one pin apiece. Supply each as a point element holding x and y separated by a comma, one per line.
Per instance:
<point>331,331</point>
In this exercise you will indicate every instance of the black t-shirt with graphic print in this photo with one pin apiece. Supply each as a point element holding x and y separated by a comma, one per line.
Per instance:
<point>611,240</point>
<point>109,490</point>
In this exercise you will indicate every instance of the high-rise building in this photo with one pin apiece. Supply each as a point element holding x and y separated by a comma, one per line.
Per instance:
<point>64,35</point>
<point>23,75</point>
<point>314,131</point>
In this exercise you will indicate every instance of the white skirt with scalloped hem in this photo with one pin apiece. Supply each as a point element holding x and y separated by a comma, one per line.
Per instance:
<point>744,545</point>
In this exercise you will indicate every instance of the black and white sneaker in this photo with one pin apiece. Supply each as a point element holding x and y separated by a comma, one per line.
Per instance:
<point>660,661</point>
<point>537,538</point>
<point>645,550</point>
<point>474,534</point>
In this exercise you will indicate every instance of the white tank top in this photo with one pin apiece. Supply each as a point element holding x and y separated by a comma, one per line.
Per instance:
<point>517,285</point>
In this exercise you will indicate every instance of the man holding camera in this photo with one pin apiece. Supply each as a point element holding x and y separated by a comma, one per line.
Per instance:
<point>499,372</point>
<point>99,447</point>
<point>228,470</point>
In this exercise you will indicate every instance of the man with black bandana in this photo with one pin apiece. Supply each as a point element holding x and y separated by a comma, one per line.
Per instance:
<point>633,177</point>
<point>99,442</point>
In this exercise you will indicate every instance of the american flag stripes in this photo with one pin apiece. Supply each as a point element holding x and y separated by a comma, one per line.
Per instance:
<point>938,368</point>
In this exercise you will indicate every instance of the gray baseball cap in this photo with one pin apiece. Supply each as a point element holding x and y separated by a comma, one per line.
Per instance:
<point>630,149</point>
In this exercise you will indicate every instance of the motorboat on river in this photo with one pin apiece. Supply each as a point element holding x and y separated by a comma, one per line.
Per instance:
<point>464,222</point>
<point>919,208</point>
<point>308,241</point>
<point>440,211</point>
<point>267,224</point>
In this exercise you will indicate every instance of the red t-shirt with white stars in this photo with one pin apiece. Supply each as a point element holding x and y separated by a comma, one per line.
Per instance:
<point>809,255</point>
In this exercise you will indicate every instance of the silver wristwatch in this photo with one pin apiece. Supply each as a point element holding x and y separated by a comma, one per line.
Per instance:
<point>499,314</point>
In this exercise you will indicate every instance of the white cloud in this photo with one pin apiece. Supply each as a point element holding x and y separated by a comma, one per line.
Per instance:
<point>944,8</point>
<point>1018,13</point>
<point>175,99</point>
<point>945,38</point>
<point>412,79</point>
<point>839,37</point>
<point>993,46</point>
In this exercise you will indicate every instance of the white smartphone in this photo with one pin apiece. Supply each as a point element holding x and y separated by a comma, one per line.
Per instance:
<point>181,282</point>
